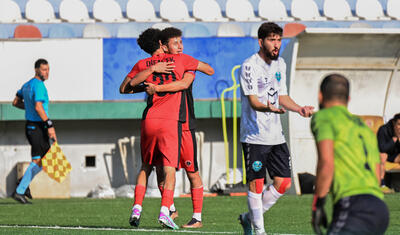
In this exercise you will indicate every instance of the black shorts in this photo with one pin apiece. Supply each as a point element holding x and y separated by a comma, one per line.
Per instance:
<point>361,214</point>
<point>259,158</point>
<point>38,138</point>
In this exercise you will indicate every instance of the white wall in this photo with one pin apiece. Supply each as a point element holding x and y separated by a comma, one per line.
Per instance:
<point>75,65</point>
<point>100,138</point>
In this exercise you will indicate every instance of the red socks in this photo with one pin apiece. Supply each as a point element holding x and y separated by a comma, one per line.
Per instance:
<point>167,198</point>
<point>197,199</point>
<point>140,190</point>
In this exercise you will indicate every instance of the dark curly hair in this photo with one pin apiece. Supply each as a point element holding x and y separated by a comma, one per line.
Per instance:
<point>148,40</point>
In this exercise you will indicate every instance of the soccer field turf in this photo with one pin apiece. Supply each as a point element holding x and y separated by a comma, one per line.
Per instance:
<point>291,215</point>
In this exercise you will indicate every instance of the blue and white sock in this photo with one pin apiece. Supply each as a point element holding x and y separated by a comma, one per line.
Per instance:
<point>30,173</point>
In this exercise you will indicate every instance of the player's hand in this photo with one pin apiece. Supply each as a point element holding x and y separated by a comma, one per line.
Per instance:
<point>306,111</point>
<point>318,217</point>
<point>164,67</point>
<point>150,88</point>
<point>52,134</point>
<point>272,109</point>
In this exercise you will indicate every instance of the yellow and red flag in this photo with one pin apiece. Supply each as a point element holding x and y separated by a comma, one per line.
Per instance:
<point>55,164</point>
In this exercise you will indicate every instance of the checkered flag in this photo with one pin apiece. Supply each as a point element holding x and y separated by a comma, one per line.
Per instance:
<point>55,164</point>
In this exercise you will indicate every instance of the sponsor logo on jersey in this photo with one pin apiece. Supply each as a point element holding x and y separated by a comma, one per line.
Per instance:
<point>257,165</point>
<point>278,76</point>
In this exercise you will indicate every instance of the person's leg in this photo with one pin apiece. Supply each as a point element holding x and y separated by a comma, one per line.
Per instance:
<point>140,191</point>
<point>196,189</point>
<point>167,197</point>
<point>279,170</point>
<point>255,161</point>
<point>160,181</point>
<point>189,162</point>
<point>39,141</point>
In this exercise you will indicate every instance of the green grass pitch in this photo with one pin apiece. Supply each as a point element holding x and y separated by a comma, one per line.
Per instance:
<point>291,215</point>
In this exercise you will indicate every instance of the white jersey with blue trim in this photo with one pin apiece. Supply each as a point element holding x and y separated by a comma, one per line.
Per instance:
<point>267,82</point>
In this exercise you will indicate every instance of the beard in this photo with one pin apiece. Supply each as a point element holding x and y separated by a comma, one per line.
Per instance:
<point>269,55</point>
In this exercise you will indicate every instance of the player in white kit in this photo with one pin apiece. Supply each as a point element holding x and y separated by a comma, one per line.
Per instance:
<point>263,89</point>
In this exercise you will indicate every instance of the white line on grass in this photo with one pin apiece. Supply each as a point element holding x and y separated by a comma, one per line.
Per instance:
<point>112,229</point>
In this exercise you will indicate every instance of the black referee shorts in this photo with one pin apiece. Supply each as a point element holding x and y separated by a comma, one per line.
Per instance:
<point>38,138</point>
<point>359,215</point>
<point>259,158</point>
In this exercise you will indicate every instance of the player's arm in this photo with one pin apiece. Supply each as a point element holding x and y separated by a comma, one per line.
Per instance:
<point>129,84</point>
<point>42,114</point>
<point>261,107</point>
<point>205,68</point>
<point>289,104</point>
<point>180,85</point>
<point>325,169</point>
<point>18,102</point>
<point>161,67</point>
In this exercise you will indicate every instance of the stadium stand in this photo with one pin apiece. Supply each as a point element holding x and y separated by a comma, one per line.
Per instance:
<point>108,11</point>
<point>338,10</point>
<point>175,11</point>
<point>306,10</point>
<point>370,10</point>
<point>161,26</point>
<point>141,11</point>
<point>195,31</point>
<point>208,10</point>
<point>3,33</point>
<point>40,11</point>
<point>27,31</point>
<point>61,31</point>
<point>74,11</point>
<point>208,13</point>
<point>293,29</point>
<point>240,10</point>
<point>96,31</point>
<point>273,10</point>
<point>127,31</point>
<point>230,30</point>
<point>10,12</point>
<point>393,9</point>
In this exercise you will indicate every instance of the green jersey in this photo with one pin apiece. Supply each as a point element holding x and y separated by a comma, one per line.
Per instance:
<point>356,152</point>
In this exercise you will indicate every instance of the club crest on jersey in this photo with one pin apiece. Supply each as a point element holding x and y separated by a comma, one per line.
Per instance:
<point>278,76</point>
<point>257,166</point>
<point>188,163</point>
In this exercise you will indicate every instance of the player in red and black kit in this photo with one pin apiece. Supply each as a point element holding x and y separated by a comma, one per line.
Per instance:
<point>162,120</point>
<point>172,43</point>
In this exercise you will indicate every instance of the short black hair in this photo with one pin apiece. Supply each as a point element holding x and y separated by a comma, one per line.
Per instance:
<point>267,29</point>
<point>396,117</point>
<point>169,33</point>
<point>148,40</point>
<point>335,87</point>
<point>40,62</point>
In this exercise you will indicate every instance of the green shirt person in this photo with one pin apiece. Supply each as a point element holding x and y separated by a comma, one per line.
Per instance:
<point>348,166</point>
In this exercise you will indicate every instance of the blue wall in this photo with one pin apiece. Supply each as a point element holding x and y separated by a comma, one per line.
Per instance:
<point>221,53</point>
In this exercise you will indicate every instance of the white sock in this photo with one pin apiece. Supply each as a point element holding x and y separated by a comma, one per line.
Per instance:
<point>256,210</point>
<point>197,216</point>
<point>164,210</point>
<point>137,206</point>
<point>269,198</point>
<point>172,207</point>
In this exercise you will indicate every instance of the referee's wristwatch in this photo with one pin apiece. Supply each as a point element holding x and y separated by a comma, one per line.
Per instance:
<point>49,123</point>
